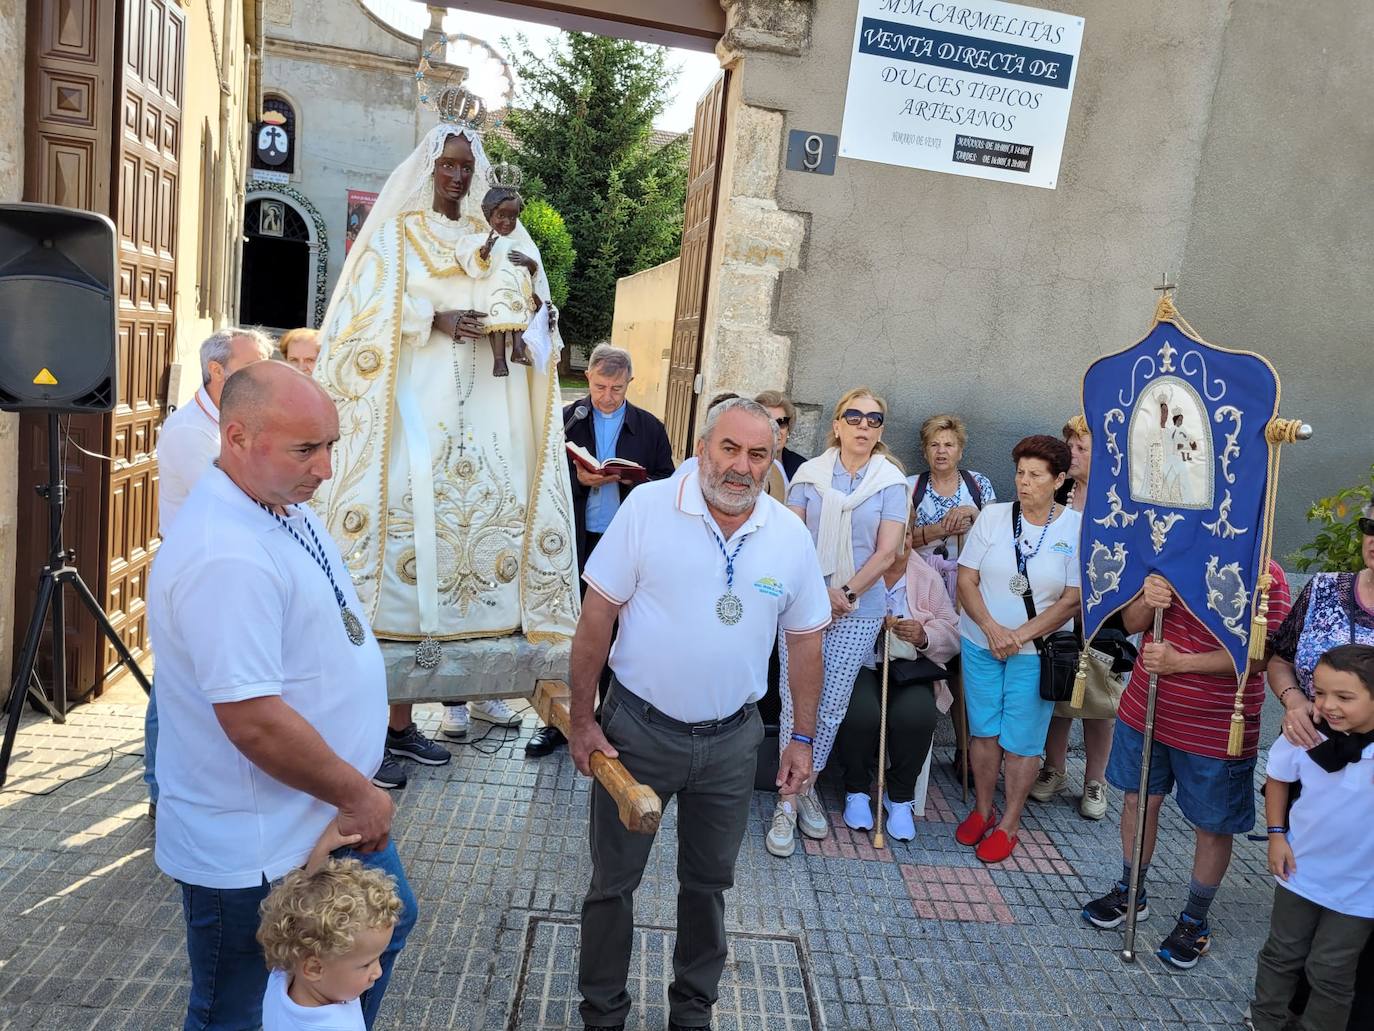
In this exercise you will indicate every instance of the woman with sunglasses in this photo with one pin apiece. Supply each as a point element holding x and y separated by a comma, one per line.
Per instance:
<point>854,501</point>
<point>1030,547</point>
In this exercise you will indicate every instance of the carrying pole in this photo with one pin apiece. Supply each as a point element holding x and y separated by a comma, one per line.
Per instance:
<point>1142,804</point>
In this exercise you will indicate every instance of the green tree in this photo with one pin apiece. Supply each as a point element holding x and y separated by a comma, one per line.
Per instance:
<point>583,126</point>
<point>550,235</point>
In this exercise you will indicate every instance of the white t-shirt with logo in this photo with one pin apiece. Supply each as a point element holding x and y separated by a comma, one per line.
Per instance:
<point>281,1013</point>
<point>661,561</point>
<point>1329,829</point>
<point>237,609</point>
<point>988,549</point>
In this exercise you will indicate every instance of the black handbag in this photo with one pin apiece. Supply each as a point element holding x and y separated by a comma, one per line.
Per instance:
<point>920,670</point>
<point>1060,651</point>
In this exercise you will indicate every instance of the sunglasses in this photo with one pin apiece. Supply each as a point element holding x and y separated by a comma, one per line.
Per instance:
<point>853,416</point>
<point>1366,526</point>
<point>782,422</point>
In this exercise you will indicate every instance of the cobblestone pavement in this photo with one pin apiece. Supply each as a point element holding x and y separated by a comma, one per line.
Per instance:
<point>920,935</point>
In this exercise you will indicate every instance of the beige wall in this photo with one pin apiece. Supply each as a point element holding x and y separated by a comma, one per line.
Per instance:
<point>643,325</point>
<point>215,128</point>
<point>11,189</point>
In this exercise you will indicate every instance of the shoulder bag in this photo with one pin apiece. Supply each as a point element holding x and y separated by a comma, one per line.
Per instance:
<point>1059,651</point>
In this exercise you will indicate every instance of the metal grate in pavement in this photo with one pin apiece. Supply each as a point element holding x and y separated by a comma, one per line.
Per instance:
<point>766,982</point>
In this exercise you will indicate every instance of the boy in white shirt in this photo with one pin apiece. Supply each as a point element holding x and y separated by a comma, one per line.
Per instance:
<point>1324,861</point>
<point>323,931</point>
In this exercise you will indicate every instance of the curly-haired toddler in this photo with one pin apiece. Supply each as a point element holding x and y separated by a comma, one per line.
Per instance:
<point>323,931</point>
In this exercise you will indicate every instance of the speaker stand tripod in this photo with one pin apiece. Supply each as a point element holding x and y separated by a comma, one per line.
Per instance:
<point>59,572</point>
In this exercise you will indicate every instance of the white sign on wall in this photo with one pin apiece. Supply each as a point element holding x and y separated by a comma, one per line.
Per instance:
<point>978,88</point>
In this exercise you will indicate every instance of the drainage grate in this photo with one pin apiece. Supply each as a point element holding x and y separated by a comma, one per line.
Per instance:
<point>766,982</point>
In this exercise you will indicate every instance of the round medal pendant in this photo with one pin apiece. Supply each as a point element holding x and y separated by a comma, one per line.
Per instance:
<point>353,627</point>
<point>1018,584</point>
<point>729,609</point>
<point>428,653</point>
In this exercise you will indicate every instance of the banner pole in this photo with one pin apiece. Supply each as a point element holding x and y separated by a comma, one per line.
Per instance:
<point>1142,813</point>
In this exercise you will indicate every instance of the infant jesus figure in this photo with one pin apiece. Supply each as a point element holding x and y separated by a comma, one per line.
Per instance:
<point>503,280</point>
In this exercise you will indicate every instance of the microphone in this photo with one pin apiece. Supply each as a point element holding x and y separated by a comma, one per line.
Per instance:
<point>580,412</point>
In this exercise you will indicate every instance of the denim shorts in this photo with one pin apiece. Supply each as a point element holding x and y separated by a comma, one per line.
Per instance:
<point>1215,795</point>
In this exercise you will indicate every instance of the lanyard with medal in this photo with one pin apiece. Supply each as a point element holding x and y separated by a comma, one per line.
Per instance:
<point>1020,583</point>
<point>729,609</point>
<point>352,625</point>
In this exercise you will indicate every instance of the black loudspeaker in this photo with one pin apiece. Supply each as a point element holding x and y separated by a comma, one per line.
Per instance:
<point>58,317</point>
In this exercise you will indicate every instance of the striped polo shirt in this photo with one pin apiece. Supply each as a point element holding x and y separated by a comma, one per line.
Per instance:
<point>1193,710</point>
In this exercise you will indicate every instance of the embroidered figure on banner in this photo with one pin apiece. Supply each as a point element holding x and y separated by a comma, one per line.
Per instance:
<point>1170,447</point>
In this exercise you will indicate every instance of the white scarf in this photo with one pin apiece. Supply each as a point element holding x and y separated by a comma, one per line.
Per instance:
<point>835,539</point>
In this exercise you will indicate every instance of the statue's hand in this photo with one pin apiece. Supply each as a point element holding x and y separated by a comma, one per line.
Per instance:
<point>461,322</point>
<point>525,261</point>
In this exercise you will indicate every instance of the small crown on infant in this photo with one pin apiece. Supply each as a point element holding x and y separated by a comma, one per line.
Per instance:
<point>506,174</point>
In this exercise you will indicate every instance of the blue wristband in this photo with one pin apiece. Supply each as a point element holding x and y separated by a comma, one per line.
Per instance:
<point>803,739</point>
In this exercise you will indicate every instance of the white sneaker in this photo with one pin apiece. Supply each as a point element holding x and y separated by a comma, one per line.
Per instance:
<point>455,722</point>
<point>495,712</point>
<point>782,840</point>
<point>858,815</point>
<point>1093,805</point>
<point>811,818</point>
<point>901,819</point>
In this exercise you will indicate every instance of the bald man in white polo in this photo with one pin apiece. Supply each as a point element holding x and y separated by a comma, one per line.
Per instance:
<point>703,572</point>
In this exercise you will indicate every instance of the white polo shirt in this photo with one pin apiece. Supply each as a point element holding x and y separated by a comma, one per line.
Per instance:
<point>186,447</point>
<point>237,609</point>
<point>661,561</point>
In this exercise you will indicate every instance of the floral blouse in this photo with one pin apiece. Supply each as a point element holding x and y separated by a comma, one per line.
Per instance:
<point>1327,614</point>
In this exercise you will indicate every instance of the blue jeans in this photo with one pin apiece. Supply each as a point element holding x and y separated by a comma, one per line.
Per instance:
<point>1215,795</point>
<point>228,974</point>
<point>150,747</point>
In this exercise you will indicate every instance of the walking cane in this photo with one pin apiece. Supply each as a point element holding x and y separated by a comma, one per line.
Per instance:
<point>882,738</point>
<point>1142,804</point>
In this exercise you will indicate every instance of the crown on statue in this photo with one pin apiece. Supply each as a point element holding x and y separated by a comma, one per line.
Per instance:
<point>505,174</point>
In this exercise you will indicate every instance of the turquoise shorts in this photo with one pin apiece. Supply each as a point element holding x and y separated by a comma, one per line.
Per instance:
<point>1003,698</point>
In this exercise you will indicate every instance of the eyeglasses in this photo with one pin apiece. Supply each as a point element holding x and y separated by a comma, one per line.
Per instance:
<point>782,422</point>
<point>1366,526</point>
<point>853,416</point>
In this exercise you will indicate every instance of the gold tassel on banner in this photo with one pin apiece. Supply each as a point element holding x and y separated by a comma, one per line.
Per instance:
<point>1080,681</point>
<point>1237,736</point>
<point>1259,626</point>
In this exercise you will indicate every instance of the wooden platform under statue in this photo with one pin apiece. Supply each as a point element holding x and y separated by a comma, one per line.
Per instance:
<point>496,667</point>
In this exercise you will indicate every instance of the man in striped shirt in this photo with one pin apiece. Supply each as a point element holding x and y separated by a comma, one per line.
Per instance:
<point>1216,794</point>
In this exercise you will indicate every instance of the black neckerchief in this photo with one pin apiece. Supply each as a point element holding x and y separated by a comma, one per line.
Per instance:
<point>1339,750</point>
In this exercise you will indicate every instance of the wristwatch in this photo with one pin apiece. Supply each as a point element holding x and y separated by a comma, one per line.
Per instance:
<point>850,595</point>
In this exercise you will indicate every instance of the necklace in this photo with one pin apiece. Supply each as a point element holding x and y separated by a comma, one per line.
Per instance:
<point>729,609</point>
<point>353,627</point>
<point>1019,582</point>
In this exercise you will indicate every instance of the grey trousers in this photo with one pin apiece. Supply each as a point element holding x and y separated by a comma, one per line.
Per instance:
<point>1324,943</point>
<point>712,778</point>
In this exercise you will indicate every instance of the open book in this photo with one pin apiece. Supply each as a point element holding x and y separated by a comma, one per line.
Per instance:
<point>629,472</point>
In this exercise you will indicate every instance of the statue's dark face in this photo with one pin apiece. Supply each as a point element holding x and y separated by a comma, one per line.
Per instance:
<point>452,175</point>
<point>505,216</point>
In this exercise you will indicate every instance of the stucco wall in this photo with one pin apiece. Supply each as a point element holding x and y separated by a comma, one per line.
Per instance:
<point>643,325</point>
<point>11,189</point>
<point>1220,142</point>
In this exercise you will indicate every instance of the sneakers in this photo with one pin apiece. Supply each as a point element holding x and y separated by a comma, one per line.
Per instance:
<point>454,725</point>
<point>390,775</point>
<point>1187,943</point>
<point>411,744</point>
<point>901,819</point>
<point>1093,804</point>
<point>782,839</point>
<point>1110,910</point>
<point>495,712</point>
<point>811,818</point>
<point>858,816</point>
<point>1048,783</point>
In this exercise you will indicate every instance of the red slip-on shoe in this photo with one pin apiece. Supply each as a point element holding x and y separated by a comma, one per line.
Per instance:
<point>971,831</point>
<point>996,847</point>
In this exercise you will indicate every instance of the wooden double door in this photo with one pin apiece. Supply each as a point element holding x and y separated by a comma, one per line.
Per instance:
<point>104,81</point>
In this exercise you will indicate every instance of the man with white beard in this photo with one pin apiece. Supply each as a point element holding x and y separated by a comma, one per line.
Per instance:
<point>703,573</point>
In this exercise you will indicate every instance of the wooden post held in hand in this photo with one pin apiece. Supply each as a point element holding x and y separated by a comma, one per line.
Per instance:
<point>638,804</point>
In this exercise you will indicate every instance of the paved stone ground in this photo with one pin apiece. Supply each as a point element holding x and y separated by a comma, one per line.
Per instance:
<point>838,936</point>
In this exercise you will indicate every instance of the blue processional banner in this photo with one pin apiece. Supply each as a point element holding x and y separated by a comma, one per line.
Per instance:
<point>1181,480</point>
